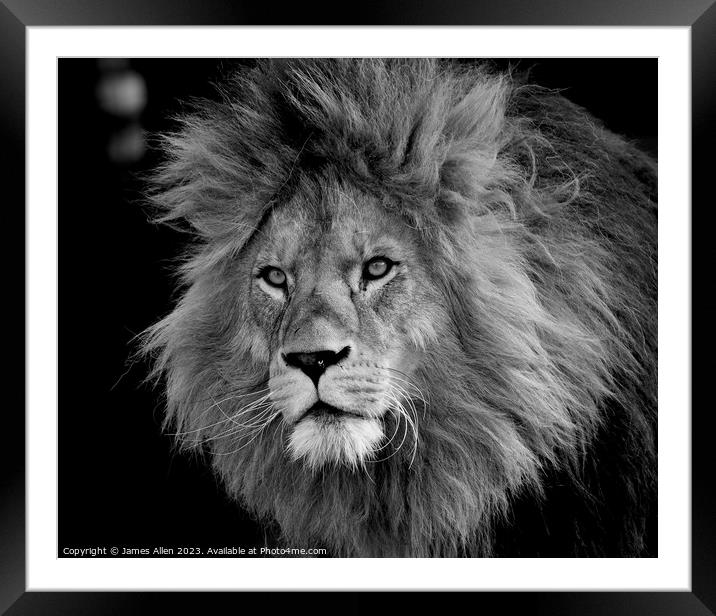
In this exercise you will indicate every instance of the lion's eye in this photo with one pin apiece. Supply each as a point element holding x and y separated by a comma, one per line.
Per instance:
<point>274,276</point>
<point>377,268</point>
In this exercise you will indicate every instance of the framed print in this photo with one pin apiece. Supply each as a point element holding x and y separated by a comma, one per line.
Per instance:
<point>402,417</point>
<point>395,305</point>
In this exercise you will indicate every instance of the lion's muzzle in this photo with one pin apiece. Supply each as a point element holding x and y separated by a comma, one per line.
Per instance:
<point>314,364</point>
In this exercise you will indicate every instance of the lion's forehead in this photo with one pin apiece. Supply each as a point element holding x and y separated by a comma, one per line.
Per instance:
<point>333,236</point>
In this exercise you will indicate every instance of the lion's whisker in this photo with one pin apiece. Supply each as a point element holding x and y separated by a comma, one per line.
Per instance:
<point>410,384</point>
<point>231,418</point>
<point>256,432</point>
<point>398,411</point>
<point>404,395</point>
<point>250,407</point>
<point>395,432</point>
<point>243,434</point>
<point>233,392</point>
<point>236,428</point>
<point>215,403</point>
<point>412,421</point>
<point>407,379</point>
<point>407,397</point>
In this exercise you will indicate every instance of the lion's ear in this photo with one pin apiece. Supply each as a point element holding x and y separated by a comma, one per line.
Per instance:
<point>477,118</point>
<point>222,165</point>
<point>475,133</point>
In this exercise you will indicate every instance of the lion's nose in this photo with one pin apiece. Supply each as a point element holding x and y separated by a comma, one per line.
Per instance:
<point>315,364</point>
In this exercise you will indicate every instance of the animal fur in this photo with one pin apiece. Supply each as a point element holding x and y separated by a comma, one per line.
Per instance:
<point>538,433</point>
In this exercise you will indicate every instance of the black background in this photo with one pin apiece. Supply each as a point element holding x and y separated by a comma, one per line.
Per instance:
<point>120,484</point>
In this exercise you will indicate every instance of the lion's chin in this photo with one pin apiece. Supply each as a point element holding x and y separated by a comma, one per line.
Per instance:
<point>325,439</point>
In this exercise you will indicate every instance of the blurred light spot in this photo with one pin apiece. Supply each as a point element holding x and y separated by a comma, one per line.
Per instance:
<point>126,145</point>
<point>122,93</point>
<point>113,64</point>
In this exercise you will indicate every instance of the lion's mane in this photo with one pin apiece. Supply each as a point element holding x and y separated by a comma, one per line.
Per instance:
<point>539,435</point>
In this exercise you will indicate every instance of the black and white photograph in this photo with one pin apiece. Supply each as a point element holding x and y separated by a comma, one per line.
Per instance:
<point>358,307</point>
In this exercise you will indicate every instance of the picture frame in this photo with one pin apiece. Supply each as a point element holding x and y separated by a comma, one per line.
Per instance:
<point>17,15</point>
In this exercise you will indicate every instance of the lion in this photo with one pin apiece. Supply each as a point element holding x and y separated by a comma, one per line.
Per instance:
<point>418,312</point>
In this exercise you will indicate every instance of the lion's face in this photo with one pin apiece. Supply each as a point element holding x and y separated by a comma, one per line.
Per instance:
<point>344,307</point>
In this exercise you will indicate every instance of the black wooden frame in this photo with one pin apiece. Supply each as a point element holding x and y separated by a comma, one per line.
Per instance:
<point>699,15</point>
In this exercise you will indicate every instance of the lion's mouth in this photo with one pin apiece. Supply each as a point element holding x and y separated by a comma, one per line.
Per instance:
<point>328,411</point>
<point>332,435</point>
